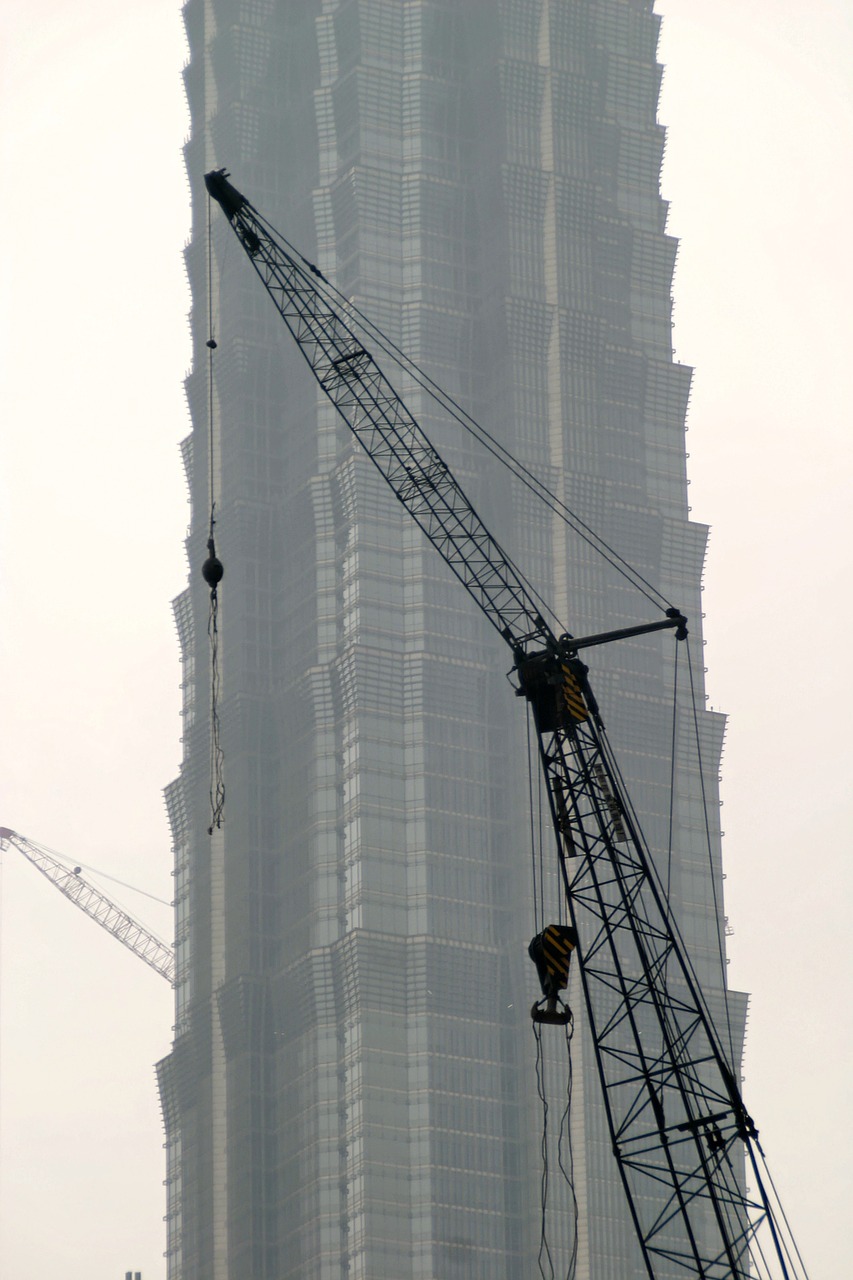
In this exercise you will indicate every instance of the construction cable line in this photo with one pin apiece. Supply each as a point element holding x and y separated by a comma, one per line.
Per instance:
<point>77,866</point>
<point>710,851</point>
<point>564,1143</point>
<point>664,887</point>
<point>660,892</point>
<point>544,1254</point>
<point>212,571</point>
<point>217,755</point>
<point>673,761</point>
<point>475,429</point>
<point>565,1160</point>
<point>565,1164</point>
<point>537,817</point>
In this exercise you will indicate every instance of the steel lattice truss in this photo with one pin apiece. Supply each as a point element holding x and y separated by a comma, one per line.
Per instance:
<point>674,1110</point>
<point>147,946</point>
<point>391,437</point>
<point>677,1121</point>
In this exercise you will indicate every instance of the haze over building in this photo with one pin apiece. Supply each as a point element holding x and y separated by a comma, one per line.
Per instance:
<point>352,1089</point>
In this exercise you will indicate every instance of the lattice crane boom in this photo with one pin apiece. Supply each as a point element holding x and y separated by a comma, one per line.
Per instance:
<point>144,944</point>
<point>678,1125</point>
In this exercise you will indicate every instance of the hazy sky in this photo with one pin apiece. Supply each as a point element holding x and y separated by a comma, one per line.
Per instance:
<point>93,350</point>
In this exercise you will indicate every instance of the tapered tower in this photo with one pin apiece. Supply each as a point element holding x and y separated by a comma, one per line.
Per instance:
<point>352,1090</point>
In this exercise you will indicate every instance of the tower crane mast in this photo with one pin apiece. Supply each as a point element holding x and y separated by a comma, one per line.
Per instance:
<point>678,1125</point>
<point>147,946</point>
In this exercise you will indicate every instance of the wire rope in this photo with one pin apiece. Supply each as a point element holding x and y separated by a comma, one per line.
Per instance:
<point>709,846</point>
<point>788,1228</point>
<point>535,863</point>
<point>654,875</point>
<point>519,471</point>
<point>217,755</point>
<point>544,608</point>
<point>544,1248</point>
<point>492,446</point>
<point>671,819</point>
<point>211,347</point>
<point>87,866</point>
<point>212,568</point>
<point>763,1272</point>
<point>672,775</point>
<point>640,908</point>
<point>569,1173</point>
<point>566,1165</point>
<point>105,875</point>
<point>541,811</point>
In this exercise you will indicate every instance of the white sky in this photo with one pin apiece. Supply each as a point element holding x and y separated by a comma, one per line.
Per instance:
<point>93,349</point>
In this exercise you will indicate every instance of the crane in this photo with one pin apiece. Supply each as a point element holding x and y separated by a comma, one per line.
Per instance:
<point>147,946</point>
<point>679,1128</point>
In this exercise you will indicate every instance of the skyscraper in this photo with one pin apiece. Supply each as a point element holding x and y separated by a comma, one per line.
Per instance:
<point>352,1089</point>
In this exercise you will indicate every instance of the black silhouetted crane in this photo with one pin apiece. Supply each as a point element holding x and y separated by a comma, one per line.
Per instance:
<point>678,1125</point>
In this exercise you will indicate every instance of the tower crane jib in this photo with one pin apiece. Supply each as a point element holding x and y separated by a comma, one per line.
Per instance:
<point>144,944</point>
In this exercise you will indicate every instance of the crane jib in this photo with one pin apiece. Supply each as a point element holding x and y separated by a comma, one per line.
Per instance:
<point>95,903</point>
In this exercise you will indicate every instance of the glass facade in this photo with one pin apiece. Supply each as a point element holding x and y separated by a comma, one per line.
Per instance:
<point>352,1089</point>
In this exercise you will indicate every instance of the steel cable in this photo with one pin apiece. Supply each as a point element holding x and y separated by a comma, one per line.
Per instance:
<point>501,454</point>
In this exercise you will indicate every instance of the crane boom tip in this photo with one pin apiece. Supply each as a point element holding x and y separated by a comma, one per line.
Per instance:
<point>222,191</point>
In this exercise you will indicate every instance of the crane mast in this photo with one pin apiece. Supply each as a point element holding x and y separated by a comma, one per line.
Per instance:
<point>677,1122</point>
<point>147,946</point>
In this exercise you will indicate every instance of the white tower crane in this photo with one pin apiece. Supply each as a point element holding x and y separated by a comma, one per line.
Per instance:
<point>70,882</point>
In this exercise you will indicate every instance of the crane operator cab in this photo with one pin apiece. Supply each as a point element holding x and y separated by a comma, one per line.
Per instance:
<point>551,952</point>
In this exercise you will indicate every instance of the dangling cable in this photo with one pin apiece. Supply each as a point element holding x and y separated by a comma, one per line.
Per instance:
<point>540,829</point>
<point>544,1248</point>
<point>566,1164</point>
<point>212,571</point>
<point>671,826</point>
<point>536,868</point>
<point>672,773</point>
<point>217,783</point>
<point>793,1248</point>
<point>709,845</point>
<point>569,1172</point>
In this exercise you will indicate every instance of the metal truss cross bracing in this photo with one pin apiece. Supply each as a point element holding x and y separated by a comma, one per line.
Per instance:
<point>673,1107</point>
<point>97,906</point>
<point>391,437</point>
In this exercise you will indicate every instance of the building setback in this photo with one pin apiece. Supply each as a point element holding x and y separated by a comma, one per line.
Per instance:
<point>352,1089</point>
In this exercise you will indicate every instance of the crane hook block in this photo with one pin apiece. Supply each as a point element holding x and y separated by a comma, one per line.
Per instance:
<point>212,569</point>
<point>551,952</point>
